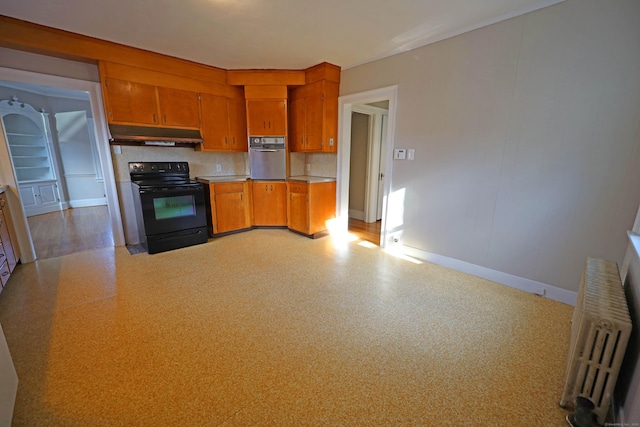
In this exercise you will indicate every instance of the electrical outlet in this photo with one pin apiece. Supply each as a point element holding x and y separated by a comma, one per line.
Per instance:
<point>540,291</point>
<point>308,167</point>
<point>411,154</point>
<point>218,168</point>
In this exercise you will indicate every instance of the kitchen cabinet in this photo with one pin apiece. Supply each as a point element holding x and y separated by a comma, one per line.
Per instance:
<point>8,258</point>
<point>224,125</point>
<point>314,117</point>
<point>40,197</point>
<point>267,117</point>
<point>269,203</point>
<point>144,104</point>
<point>310,206</point>
<point>230,206</point>
<point>179,108</point>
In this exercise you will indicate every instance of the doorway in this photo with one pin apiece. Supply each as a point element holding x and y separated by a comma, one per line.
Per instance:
<point>366,178</point>
<point>379,163</point>
<point>103,167</point>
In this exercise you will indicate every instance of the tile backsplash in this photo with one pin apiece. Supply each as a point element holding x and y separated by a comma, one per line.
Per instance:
<point>204,164</point>
<point>200,163</point>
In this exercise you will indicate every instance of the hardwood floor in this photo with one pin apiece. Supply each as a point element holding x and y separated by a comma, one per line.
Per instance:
<point>366,231</point>
<point>69,231</point>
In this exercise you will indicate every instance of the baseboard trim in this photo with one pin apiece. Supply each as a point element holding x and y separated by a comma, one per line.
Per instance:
<point>84,203</point>
<point>527,285</point>
<point>356,214</point>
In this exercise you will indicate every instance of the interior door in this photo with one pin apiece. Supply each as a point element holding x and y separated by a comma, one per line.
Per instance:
<point>383,150</point>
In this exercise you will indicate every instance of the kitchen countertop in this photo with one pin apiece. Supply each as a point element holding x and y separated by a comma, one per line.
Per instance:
<point>222,178</point>
<point>310,179</point>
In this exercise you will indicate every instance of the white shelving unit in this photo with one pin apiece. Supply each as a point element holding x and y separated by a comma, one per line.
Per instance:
<point>29,139</point>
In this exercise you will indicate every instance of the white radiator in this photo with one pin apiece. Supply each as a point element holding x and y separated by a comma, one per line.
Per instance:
<point>599,337</point>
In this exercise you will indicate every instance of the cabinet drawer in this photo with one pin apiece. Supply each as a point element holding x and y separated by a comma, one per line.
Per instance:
<point>4,273</point>
<point>298,188</point>
<point>229,187</point>
<point>3,253</point>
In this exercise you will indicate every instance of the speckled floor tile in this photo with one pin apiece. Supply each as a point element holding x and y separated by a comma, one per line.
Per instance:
<point>270,328</point>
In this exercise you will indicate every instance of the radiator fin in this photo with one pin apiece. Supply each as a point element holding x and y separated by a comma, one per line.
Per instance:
<point>601,326</point>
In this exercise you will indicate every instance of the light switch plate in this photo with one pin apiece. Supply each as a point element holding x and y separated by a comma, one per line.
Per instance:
<point>400,154</point>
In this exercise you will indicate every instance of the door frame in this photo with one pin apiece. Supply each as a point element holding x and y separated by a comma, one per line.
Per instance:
<point>374,142</point>
<point>97,109</point>
<point>346,104</point>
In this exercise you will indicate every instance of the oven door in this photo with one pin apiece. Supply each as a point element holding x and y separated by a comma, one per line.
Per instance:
<point>171,209</point>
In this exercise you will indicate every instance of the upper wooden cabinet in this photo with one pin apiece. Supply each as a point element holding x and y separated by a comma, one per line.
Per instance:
<point>314,117</point>
<point>266,110</point>
<point>267,117</point>
<point>130,102</point>
<point>223,123</point>
<point>178,107</point>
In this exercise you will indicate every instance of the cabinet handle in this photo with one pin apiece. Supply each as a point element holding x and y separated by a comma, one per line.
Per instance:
<point>165,118</point>
<point>226,142</point>
<point>264,125</point>
<point>266,187</point>
<point>272,188</point>
<point>155,120</point>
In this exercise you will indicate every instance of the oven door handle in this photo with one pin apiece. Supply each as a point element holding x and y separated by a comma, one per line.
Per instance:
<point>266,151</point>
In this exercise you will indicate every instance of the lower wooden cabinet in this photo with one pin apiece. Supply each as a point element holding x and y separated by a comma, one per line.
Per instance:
<point>240,205</point>
<point>310,206</point>
<point>8,258</point>
<point>230,207</point>
<point>269,203</point>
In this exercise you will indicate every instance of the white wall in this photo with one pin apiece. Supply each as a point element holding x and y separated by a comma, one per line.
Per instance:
<point>526,140</point>
<point>27,61</point>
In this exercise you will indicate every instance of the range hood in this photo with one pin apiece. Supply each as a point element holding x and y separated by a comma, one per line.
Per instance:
<point>144,135</point>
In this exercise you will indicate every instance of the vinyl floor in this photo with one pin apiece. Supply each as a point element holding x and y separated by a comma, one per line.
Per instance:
<point>269,328</point>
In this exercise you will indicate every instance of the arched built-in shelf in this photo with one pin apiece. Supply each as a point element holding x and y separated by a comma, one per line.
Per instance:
<point>29,140</point>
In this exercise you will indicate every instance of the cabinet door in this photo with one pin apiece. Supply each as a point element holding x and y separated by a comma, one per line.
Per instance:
<point>298,207</point>
<point>296,127</point>
<point>267,117</point>
<point>269,203</point>
<point>214,122</point>
<point>230,212</point>
<point>237,124</point>
<point>313,121</point>
<point>179,107</point>
<point>28,195</point>
<point>330,115</point>
<point>6,243</point>
<point>130,102</point>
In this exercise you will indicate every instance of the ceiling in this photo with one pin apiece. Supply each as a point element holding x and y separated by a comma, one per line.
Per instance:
<point>276,34</point>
